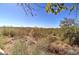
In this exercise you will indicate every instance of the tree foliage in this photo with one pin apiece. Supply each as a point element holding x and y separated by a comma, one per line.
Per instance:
<point>54,8</point>
<point>70,27</point>
<point>27,8</point>
<point>69,23</point>
<point>58,7</point>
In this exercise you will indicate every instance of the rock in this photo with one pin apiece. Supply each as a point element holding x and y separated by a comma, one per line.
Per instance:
<point>71,52</point>
<point>2,52</point>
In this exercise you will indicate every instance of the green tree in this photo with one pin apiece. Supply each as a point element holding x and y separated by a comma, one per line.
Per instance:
<point>68,22</point>
<point>59,7</point>
<point>70,27</point>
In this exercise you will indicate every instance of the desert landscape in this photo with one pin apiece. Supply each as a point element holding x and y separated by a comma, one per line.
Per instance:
<point>39,29</point>
<point>36,41</point>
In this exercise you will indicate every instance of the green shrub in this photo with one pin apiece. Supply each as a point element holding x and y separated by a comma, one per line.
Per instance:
<point>76,38</point>
<point>71,35</point>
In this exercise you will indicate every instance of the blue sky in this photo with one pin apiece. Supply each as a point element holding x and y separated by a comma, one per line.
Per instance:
<point>13,15</point>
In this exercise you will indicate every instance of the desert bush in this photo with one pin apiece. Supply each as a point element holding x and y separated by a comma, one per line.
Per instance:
<point>36,50</point>
<point>8,32</point>
<point>71,35</point>
<point>68,34</point>
<point>69,27</point>
<point>5,32</point>
<point>19,48</point>
<point>36,33</point>
<point>41,47</point>
<point>12,33</point>
<point>53,38</point>
<point>25,48</point>
<point>58,47</point>
<point>76,38</point>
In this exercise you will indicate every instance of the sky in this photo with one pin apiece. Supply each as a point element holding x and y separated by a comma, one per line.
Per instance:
<point>14,15</point>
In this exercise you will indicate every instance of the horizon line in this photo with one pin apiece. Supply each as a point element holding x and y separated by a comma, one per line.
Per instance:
<point>27,26</point>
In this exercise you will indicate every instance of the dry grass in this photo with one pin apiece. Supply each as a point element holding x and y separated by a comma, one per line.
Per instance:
<point>33,41</point>
<point>19,48</point>
<point>1,43</point>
